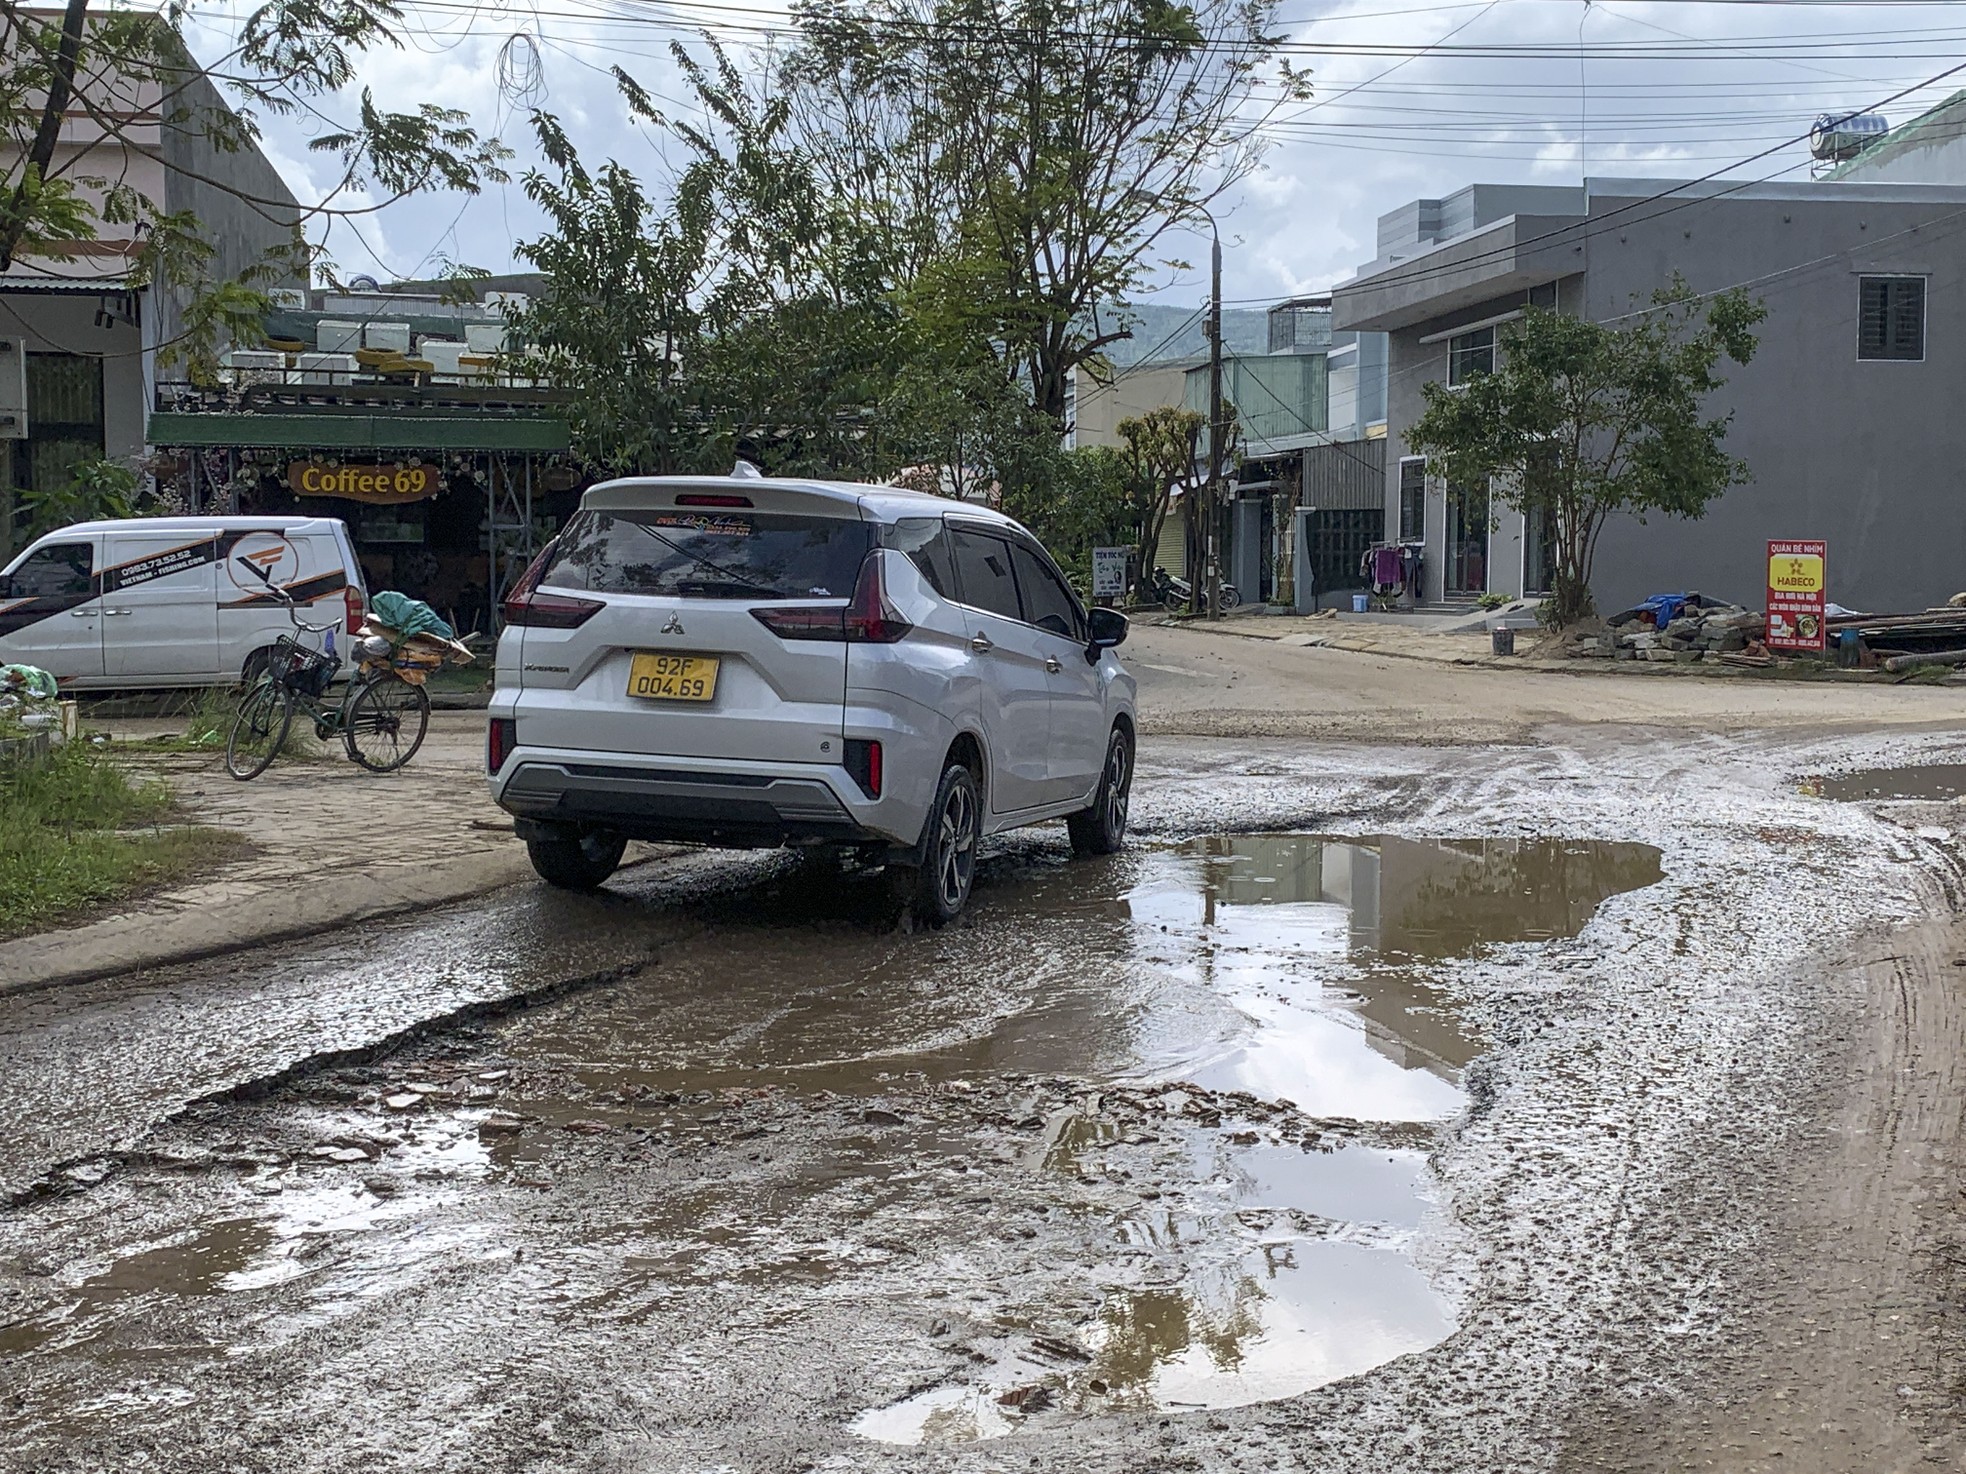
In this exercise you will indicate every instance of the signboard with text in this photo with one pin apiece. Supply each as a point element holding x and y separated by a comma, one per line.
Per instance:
<point>1109,573</point>
<point>376,485</point>
<point>1797,585</point>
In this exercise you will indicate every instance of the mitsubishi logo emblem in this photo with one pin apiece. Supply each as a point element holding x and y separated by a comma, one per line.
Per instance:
<point>674,626</point>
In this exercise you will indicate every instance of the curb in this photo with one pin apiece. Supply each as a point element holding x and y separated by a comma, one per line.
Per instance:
<point>283,913</point>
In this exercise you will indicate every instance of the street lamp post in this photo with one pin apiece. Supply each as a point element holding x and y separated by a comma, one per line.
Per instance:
<point>1212,492</point>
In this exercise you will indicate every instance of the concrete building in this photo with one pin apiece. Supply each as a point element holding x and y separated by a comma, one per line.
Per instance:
<point>90,335</point>
<point>1842,416</point>
<point>1094,408</point>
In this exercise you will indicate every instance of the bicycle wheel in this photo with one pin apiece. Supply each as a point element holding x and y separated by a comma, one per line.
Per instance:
<point>259,729</point>
<point>386,722</point>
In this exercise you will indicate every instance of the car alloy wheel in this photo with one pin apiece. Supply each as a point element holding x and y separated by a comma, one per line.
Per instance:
<point>955,847</point>
<point>1117,785</point>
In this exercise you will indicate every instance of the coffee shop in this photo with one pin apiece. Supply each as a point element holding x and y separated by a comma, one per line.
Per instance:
<point>448,491</point>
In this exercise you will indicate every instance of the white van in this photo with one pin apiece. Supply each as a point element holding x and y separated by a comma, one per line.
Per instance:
<point>173,601</point>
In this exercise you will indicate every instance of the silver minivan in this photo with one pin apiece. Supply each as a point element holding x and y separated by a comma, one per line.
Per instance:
<point>747,662</point>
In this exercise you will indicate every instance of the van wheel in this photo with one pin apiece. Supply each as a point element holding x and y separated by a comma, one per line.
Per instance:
<point>938,888</point>
<point>1101,829</point>
<point>577,862</point>
<point>255,667</point>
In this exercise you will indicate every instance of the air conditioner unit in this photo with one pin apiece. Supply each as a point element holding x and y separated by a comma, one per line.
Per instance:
<point>507,301</point>
<point>288,299</point>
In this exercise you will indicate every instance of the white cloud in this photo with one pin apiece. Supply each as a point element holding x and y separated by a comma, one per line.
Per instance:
<point>1418,127</point>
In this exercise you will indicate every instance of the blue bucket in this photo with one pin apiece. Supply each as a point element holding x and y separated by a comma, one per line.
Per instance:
<point>1361,603</point>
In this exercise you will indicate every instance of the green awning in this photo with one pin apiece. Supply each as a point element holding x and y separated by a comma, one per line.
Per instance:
<point>358,432</point>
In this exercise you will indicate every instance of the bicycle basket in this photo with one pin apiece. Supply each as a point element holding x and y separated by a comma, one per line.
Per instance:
<point>300,669</point>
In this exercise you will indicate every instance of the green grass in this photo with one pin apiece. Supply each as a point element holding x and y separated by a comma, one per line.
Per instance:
<point>208,722</point>
<point>77,834</point>
<point>454,678</point>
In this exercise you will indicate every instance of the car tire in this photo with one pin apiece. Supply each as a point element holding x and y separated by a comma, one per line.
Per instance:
<point>577,862</point>
<point>1101,829</point>
<point>938,888</point>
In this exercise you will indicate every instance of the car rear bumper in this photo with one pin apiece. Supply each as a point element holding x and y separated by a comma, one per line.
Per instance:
<point>697,801</point>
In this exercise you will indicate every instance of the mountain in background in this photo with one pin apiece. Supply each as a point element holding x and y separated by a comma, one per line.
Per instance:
<point>1158,332</point>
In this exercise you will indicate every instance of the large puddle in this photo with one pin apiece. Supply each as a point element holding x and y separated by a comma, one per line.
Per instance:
<point>1251,1258</point>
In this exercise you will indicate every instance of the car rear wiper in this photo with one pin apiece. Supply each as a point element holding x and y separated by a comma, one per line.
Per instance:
<point>726,588</point>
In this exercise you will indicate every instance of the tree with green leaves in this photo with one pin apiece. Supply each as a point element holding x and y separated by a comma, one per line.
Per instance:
<point>1580,420</point>
<point>1035,154</point>
<point>121,72</point>
<point>616,314</point>
<point>1165,452</point>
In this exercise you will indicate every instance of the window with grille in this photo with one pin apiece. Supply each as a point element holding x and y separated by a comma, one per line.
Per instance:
<point>64,419</point>
<point>1891,318</point>
<point>1412,500</point>
<point>1470,354</point>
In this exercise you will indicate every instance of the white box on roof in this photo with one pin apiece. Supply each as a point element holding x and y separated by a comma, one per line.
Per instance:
<point>441,354</point>
<point>485,337</point>
<point>324,368</point>
<point>390,337</point>
<point>337,335</point>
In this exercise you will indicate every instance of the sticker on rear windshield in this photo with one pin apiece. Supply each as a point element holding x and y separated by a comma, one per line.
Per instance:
<point>699,522</point>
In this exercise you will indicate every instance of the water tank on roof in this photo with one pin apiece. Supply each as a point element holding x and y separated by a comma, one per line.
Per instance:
<point>1835,138</point>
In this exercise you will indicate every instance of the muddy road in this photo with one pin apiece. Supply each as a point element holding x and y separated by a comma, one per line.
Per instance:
<point>1576,1103</point>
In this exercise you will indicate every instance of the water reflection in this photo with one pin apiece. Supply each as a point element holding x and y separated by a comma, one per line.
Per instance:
<point>1290,1315</point>
<point>1327,950</point>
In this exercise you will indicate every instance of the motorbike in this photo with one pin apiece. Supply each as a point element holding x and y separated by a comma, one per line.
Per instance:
<point>1174,590</point>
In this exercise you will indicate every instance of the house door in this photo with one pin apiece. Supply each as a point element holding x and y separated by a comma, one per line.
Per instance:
<point>1467,539</point>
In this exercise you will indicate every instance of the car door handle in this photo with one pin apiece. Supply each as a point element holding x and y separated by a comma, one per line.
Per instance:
<point>982,645</point>
<point>1051,664</point>
<point>83,613</point>
<point>119,611</point>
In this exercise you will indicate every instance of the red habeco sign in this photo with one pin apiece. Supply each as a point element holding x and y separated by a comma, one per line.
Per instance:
<point>1796,594</point>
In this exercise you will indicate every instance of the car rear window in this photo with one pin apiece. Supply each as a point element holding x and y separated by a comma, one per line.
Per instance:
<point>711,555</point>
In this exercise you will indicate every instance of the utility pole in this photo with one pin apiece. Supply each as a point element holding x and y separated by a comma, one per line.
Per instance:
<point>1212,498</point>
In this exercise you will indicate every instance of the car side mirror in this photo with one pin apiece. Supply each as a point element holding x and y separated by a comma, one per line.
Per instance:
<point>1108,629</point>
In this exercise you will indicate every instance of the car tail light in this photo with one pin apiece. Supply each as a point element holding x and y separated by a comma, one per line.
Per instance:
<point>804,621</point>
<point>551,611</point>
<point>357,607</point>
<point>524,605</point>
<point>710,499</point>
<point>867,617</point>
<point>863,765</point>
<point>501,736</point>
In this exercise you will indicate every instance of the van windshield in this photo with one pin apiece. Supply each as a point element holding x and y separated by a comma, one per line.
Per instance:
<point>711,555</point>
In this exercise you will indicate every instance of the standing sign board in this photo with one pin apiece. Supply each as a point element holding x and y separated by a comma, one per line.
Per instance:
<point>1796,594</point>
<point>1109,573</point>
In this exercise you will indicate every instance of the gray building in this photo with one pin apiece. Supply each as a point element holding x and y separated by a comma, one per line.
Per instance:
<point>1842,416</point>
<point>87,330</point>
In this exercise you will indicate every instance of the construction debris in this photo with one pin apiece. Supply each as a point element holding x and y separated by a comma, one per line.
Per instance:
<point>1679,629</point>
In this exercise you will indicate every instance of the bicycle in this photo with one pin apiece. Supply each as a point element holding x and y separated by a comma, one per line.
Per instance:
<point>378,712</point>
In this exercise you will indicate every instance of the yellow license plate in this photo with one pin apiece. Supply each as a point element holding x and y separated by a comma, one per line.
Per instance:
<point>673,677</point>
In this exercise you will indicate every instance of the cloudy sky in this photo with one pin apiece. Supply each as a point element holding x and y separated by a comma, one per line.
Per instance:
<point>1411,99</point>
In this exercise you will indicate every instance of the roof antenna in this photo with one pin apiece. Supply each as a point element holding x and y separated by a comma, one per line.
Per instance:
<point>745,471</point>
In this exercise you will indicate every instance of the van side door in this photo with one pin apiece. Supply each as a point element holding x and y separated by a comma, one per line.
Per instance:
<point>51,609</point>
<point>159,605</point>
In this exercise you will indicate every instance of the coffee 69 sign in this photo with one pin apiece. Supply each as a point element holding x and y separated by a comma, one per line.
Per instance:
<point>380,485</point>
